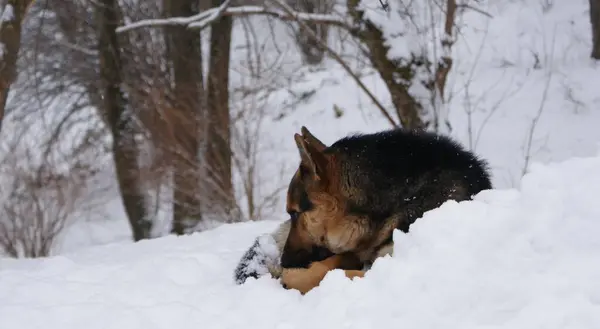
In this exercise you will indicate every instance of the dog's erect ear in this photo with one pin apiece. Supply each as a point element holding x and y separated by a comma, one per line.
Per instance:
<point>312,140</point>
<point>312,157</point>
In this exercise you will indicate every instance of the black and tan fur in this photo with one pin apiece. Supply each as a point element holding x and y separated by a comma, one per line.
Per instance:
<point>345,200</point>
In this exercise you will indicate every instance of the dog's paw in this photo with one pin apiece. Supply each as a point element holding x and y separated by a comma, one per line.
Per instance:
<point>303,279</point>
<point>298,279</point>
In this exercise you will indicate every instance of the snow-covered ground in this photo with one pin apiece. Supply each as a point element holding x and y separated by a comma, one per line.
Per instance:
<point>513,258</point>
<point>521,256</point>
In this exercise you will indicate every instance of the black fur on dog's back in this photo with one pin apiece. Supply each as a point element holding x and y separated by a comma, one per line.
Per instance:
<point>408,171</point>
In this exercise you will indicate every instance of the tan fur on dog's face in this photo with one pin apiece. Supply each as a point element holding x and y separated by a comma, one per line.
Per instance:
<point>320,224</point>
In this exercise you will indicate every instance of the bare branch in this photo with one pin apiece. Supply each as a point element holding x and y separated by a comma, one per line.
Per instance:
<point>475,9</point>
<point>74,47</point>
<point>535,120</point>
<point>205,18</point>
<point>287,9</point>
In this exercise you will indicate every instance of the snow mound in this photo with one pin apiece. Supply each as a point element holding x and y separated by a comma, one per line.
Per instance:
<point>524,258</point>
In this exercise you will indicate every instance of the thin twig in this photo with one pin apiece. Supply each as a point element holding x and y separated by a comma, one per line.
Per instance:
<point>475,9</point>
<point>288,10</point>
<point>535,120</point>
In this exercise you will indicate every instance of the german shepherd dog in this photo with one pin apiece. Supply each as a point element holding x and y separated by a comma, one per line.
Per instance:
<point>345,200</point>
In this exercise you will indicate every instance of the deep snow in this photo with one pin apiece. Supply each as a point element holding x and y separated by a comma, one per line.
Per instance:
<point>525,258</point>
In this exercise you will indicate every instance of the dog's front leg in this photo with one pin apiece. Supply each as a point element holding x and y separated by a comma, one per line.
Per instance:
<point>305,279</point>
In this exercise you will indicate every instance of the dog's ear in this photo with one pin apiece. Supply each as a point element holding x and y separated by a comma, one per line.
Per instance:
<point>312,158</point>
<point>312,140</point>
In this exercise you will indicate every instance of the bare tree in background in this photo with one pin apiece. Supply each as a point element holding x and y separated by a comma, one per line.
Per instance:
<point>61,62</point>
<point>400,74</point>
<point>595,21</point>
<point>120,119</point>
<point>34,212</point>
<point>415,77</point>
<point>43,173</point>
<point>36,206</point>
<point>185,57</point>
<point>194,120</point>
<point>395,74</point>
<point>60,65</point>
<point>41,192</point>
<point>167,123</point>
<point>218,147</point>
<point>13,13</point>
<point>310,48</point>
<point>259,76</point>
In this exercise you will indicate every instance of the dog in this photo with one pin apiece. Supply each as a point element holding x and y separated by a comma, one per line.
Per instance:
<point>345,200</point>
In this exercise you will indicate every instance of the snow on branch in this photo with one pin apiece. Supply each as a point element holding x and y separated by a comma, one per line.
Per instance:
<point>207,17</point>
<point>295,16</point>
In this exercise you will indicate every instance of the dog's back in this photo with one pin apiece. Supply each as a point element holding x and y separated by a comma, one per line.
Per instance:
<point>405,171</point>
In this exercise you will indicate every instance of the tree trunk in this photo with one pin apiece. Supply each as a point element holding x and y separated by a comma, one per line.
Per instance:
<point>10,42</point>
<point>120,120</point>
<point>218,157</point>
<point>396,76</point>
<point>595,20</point>
<point>312,52</point>
<point>186,58</point>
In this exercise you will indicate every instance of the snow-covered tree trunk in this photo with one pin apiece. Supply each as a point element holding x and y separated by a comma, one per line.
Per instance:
<point>120,119</point>
<point>411,51</point>
<point>397,73</point>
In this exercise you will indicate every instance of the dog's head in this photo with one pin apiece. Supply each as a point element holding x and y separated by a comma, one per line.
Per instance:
<point>316,206</point>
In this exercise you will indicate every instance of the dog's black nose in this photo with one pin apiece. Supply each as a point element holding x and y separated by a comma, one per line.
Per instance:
<point>284,286</point>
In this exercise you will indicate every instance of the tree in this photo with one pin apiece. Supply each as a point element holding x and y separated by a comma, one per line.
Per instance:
<point>396,74</point>
<point>310,48</point>
<point>10,42</point>
<point>120,119</point>
<point>415,71</point>
<point>414,74</point>
<point>185,57</point>
<point>595,20</point>
<point>218,156</point>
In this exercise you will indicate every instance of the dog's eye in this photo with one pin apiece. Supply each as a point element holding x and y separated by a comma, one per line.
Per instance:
<point>293,215</point>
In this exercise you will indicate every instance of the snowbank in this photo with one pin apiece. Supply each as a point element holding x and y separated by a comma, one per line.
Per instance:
<point>524,258</point>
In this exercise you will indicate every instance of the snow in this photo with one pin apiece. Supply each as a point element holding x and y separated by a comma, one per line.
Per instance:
<point>512,258</point>
<point>521,256</point>
<point>8,14</point>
